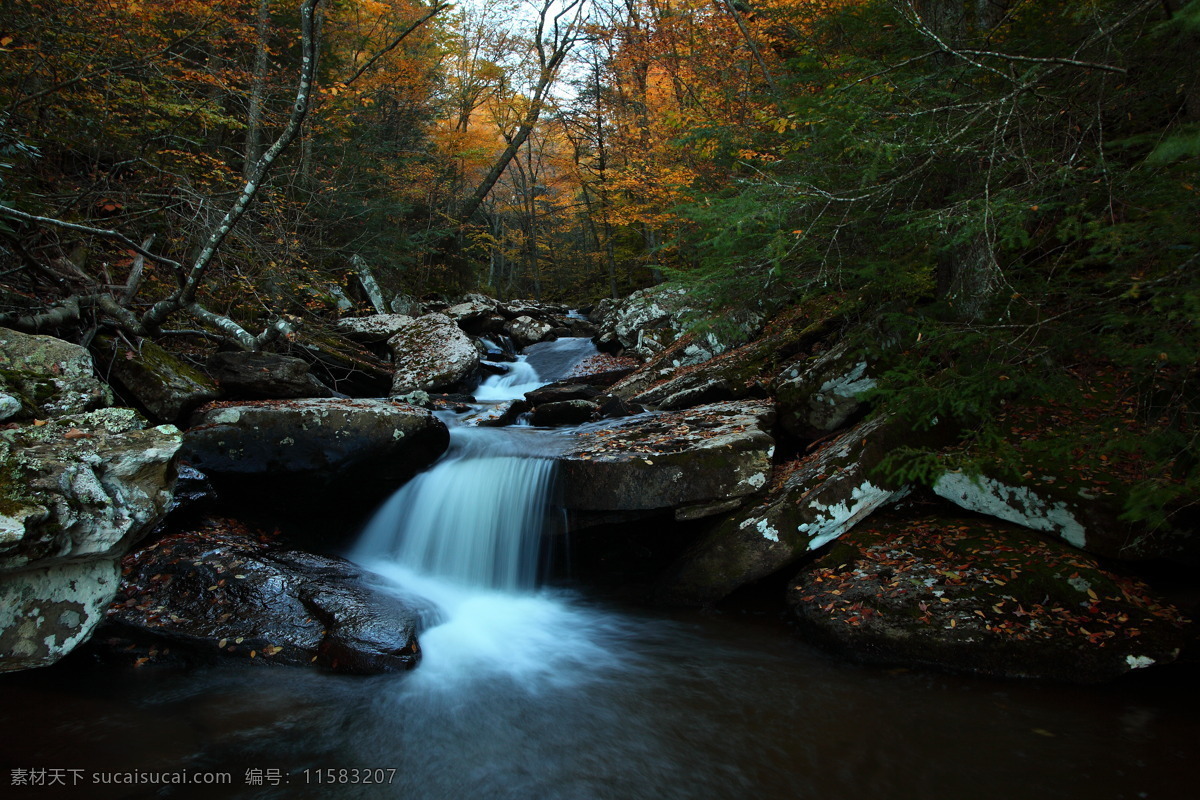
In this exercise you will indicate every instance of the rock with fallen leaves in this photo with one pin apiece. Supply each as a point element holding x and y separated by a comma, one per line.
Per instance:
<point>299,451</point>
<point>76,492</point>
<point>374,328</point>
<point>432,354</point>
<point>223,592</point>
<point>985,597</point>
<point>679,461</point>
<point>811,501</point>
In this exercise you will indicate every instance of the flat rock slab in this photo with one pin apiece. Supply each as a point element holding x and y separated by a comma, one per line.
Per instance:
<point>221,592</point>
<point>680,460</point>
<point>984,597</point>
<point>327,442</point>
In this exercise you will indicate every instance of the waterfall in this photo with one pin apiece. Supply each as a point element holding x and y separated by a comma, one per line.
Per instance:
<point>466,535</point>
<point>474,519</point>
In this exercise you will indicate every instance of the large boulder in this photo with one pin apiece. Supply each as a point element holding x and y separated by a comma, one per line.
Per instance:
<point>526,330</point>
<point>164,385</point>
<point>75,494</point>
<point>309,448</point>
<point>811,502</point>
<point>342,365</point>
<point>694,463</point>
<point>432,354</point>
<point>261,376</point>
<point>984,597</point>
<point>47,377</point>
<point>218,592</point>
<point>645,321</point>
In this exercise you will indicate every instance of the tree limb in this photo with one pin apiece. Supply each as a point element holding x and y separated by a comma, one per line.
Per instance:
<point>107,234</point>
<point>437,8</point>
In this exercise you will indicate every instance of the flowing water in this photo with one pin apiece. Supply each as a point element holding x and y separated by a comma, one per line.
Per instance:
<point>538,693</point>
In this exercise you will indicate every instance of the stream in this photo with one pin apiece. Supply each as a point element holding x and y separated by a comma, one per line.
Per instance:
<point>531,692</point>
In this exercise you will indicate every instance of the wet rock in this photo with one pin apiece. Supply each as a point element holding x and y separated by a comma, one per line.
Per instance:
<point>164,385</point>
<point>819,395</point>
<point>977,596</point>
<point>432,354</point>
<point>562,391</point>
<point>564,412</point>
<point>812,501</point>
<point>527,330</point>
<point>75,494</point>
<point>221,594</point>
<point>261,376</point>
<point>299,451</point>
<point>48,377</point>
<point>679,460</point>
<point>372,329</point>
<point>476,317</point>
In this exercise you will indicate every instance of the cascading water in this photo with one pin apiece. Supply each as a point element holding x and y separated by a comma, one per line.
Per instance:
<point>466,535</point>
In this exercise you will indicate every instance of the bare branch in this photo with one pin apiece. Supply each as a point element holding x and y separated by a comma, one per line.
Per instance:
<point>107,234</point>
<point>1070,62</point>
<point>437,8</point>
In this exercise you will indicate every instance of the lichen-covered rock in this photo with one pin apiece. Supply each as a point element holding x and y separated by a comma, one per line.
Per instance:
<point>49,377</point>
<point>982,597</point>
<point>432,354</point>
<point>668,382</point>
<point>649,315</point>
<point>812,502</point>
<point>161,383</point>
<point>75,494</point>
<point>218,593</point>
<point>820,395</point>
<point>260,376</point>
<point>527,330</point>
<point>317,444</point>
<point>679,460</point>
<point>476,316</point>
<point>1090,523</point>
<point>375,328</point>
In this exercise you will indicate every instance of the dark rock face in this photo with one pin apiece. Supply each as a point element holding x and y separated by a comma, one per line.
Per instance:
<point>357,446</point>
<point>681,460</point>
<point>821,394</point>
<point>342,365</point>
<point>811,502</point>
<point>983,597</point>
<point>165,386</point>
<point>564,412</point>
<point>263,376</point>
<point>215,594</point>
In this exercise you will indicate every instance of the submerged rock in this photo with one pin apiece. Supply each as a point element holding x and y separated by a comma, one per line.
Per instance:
<point>983,597</point>
<point>357,446</point>
<point>811,502</point>
<point>432,354</point>
<point>680,460</point>
<point>222,593</point>
<point>75,494</point>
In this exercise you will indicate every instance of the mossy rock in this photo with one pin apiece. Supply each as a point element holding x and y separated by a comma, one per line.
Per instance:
<point>166,386</point>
